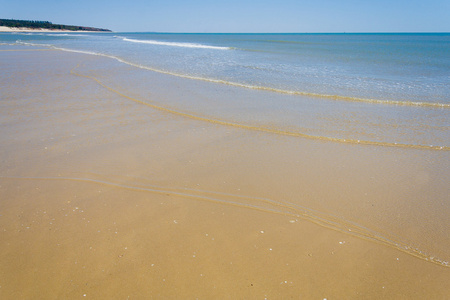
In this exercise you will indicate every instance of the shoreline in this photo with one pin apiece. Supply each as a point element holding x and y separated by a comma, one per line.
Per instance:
<point>37,30</point>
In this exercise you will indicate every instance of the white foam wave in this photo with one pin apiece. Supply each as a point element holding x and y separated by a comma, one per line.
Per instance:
<point>64,34</point>
<point>184,45</point>
<point>25,33</point>
<point>19,42</point>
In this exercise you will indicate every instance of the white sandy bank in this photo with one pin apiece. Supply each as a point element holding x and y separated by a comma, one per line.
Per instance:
<point>26,29</point>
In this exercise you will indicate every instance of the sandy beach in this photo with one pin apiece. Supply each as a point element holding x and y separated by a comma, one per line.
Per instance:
<point>103,196</point>
<point>37,30</point>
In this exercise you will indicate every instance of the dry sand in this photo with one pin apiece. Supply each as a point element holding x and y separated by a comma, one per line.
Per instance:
<point>104,198</point>
<point>35,30</point>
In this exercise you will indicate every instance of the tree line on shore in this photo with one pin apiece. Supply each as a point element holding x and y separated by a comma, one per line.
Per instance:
<point>45,25</point>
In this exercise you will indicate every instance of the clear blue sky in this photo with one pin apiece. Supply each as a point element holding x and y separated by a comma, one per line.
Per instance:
<point>239,15</point>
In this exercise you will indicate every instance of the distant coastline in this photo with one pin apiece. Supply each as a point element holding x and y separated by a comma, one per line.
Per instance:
<point>11,25</point>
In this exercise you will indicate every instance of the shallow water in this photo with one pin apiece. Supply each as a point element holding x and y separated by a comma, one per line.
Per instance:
<point>384,89</point>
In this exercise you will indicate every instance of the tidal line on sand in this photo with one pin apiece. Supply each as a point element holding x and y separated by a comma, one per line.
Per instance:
<point>292,211</point>
<point>261,129</point>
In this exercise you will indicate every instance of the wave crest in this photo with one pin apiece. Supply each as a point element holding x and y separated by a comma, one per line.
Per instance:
<point>184,45</point>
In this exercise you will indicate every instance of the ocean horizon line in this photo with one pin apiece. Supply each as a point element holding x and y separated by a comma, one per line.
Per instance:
<point>281,33</point>
<point>259,33</point>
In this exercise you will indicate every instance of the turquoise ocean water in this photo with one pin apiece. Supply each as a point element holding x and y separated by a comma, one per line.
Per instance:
<point>386,89</point>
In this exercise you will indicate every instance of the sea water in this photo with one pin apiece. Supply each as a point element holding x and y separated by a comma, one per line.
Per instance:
<point>384,89</point>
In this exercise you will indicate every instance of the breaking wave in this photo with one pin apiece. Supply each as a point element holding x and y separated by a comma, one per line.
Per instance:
<point>172,44</point>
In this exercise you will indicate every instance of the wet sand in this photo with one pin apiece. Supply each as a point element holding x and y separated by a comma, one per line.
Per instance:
<point>104,197</point>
